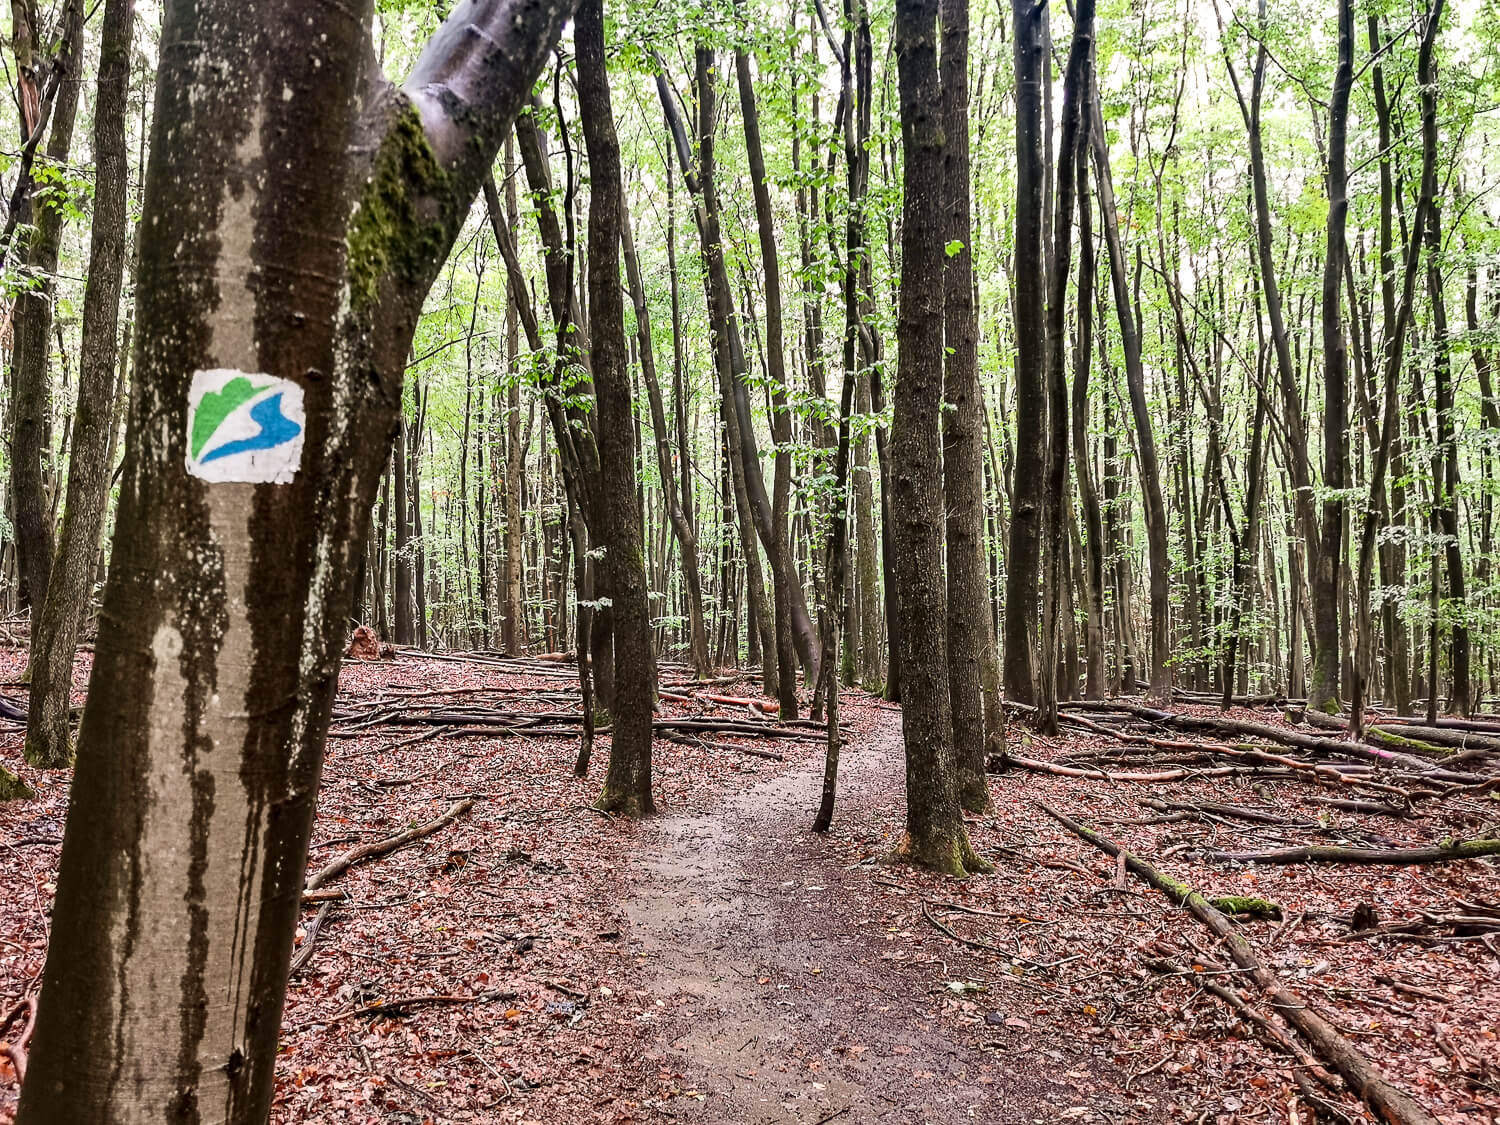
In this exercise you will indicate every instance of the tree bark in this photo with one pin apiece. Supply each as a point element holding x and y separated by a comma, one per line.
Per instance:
<point>1056,611</point>
<point>1445,455</point>
<point>405,630</point>
<point>31,394</point>
<point>935,833</point>
<point>1293,421</point>
<point>783,569</point>
<point>1154,509</point>
<point>218,650</point>
<point>627,786</point>
<point>1092,564</point>
<point>56,635</point>
<point>1024,554</point>
<point>970,645</point>
<point>1323,692</point>
<point>687,540</point>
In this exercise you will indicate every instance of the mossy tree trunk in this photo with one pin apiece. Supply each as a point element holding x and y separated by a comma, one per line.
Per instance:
<point>218,651</point>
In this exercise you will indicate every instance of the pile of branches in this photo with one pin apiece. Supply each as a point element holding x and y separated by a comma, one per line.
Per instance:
<point>1382,773</point>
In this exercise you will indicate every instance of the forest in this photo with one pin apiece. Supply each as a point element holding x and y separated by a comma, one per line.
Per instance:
<point>953,546</point>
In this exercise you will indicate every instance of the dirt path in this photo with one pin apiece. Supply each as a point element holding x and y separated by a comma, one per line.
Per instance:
<point>779,1005</point>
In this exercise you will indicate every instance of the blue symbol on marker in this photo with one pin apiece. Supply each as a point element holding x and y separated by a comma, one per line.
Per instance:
<point>275,428</point>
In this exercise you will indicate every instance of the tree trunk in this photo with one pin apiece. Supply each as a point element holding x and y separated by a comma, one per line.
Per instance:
<point>31,394</point>
<point>56,635</point>
<point>1445,455</point>
<point>1323,692</point>
<point>1092,565</point>
<point>1154,507</point>
<point>969,641</point>
<point>1056,611</point>
<point>724,326</point>
<point>783,571</point>
<point>935,833</point>
<point>405,631</point>
<point>1293,422</point>
<point>687,541</point>
<point>627,786</point>
<point>193,800</point>
<point>1024,555</point>
<point>1387,449</point>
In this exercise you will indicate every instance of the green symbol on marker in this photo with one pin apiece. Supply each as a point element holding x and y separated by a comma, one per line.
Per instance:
<point>215,406</point>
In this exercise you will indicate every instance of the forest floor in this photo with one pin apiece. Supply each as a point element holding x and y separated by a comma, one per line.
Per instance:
<point>534,961</point>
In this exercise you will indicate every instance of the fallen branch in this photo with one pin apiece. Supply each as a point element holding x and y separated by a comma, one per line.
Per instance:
<point>1257,1019</point>
<point>304,954</point>
<point>385,847</point>
<point>706,744</point>
<point>1370,808</point>
<point>1423,738</point>
<point>1298,740</point>
<point>1395,857</point>
<point>1389,1104</point>
<point>1234,812</point>
<point>396,1008</point>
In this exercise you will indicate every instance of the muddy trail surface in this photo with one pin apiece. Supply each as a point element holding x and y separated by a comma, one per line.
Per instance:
<point>779,996</point>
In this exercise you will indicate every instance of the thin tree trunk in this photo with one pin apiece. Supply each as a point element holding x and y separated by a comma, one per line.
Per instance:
<point>1056,611</point>
<point>1323,692</point>
<point>1092,565</point>
<point>687,541</point>
<point>31,395</point>
<point>405,630</point>
<point>627,786</point>
<point>783,571</point>
<point>1027,499</point>
<point>56,635</point>
<point>1154,507</point>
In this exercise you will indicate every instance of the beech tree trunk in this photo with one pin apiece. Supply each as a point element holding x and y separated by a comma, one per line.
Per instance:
<point>682,528</point>
<point>970,643</point>
<point>405,628</point>
<point>1154,508</point>
<point>31,394</point>
<point>56,634</point>
<point>1023,558</point>
<point>783,569</point>
<point>1445,456</point>
<point>935,833</point>
<point>218,650</point>
<point>1056,610</point>
<point>1323,691</point>
<point>1293,421</point>
<point>627,786</point>
<point>1092,564</point>
<point>730,357</point>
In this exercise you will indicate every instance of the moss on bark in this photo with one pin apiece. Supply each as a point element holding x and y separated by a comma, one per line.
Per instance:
<point>949,855</point>
<point>12,788</point>
<point>1258,908</point>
